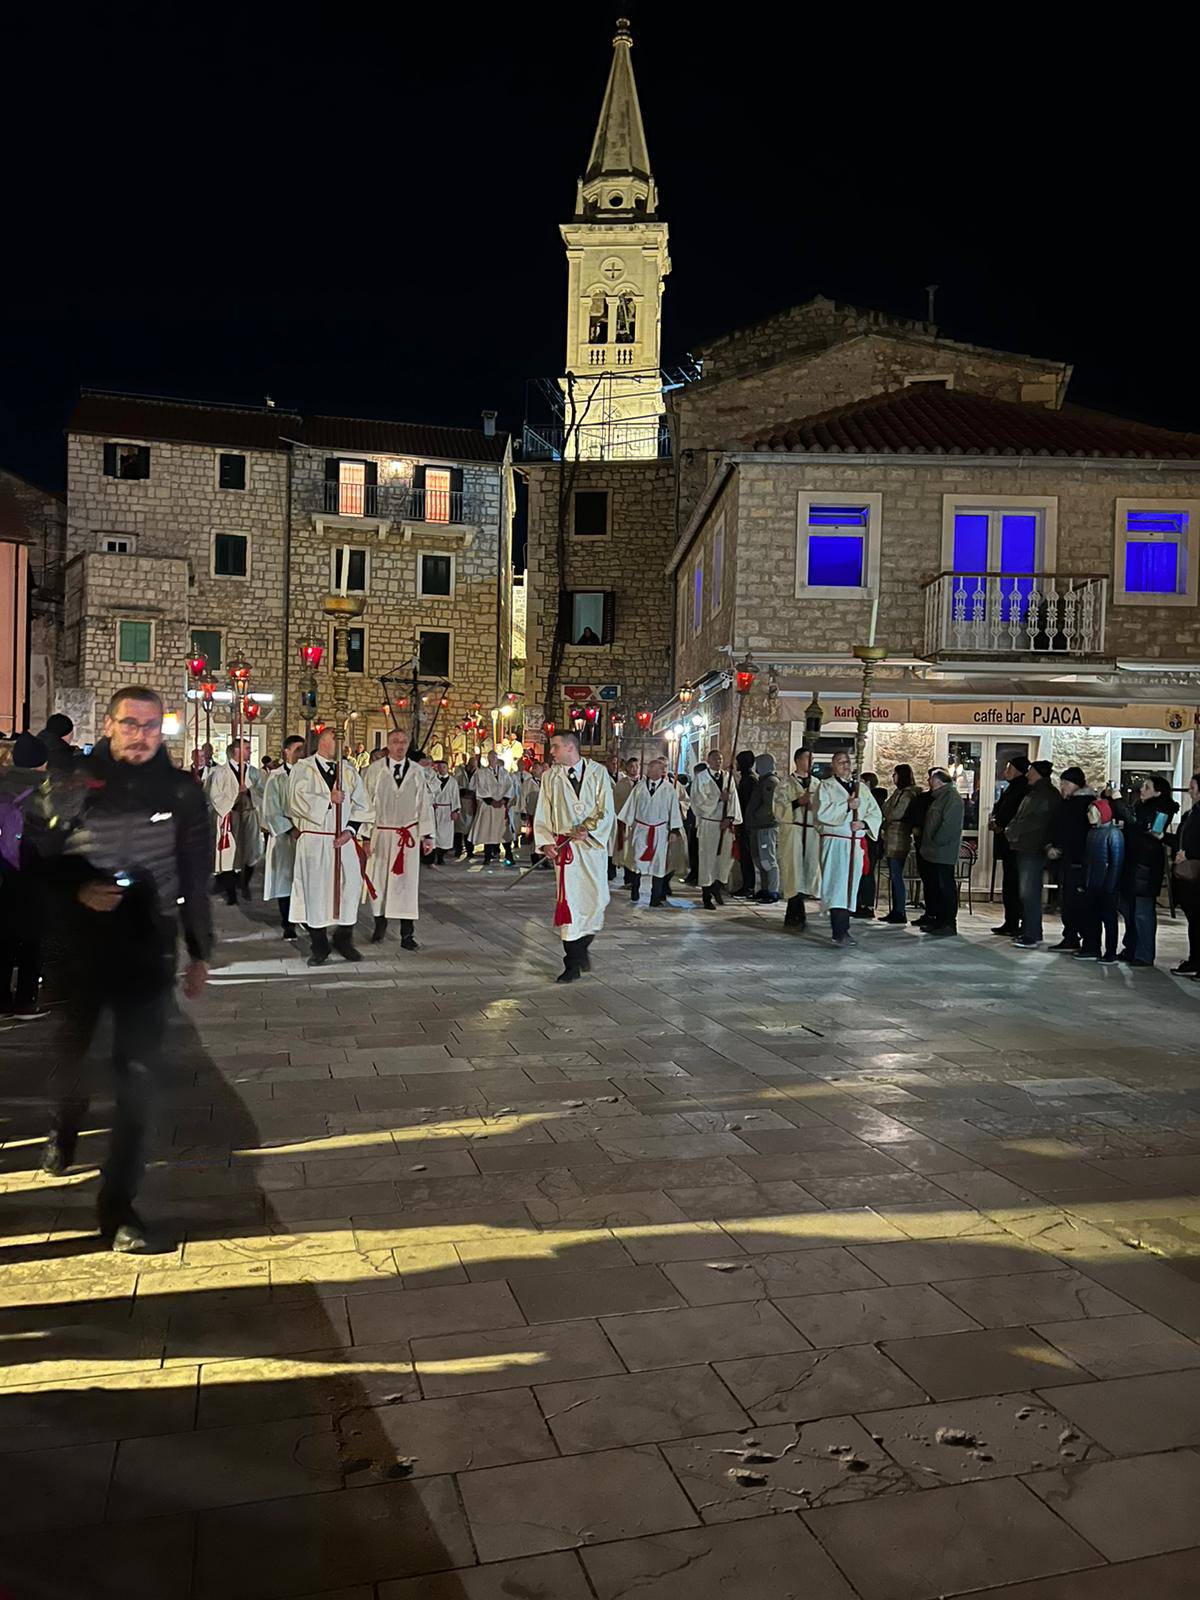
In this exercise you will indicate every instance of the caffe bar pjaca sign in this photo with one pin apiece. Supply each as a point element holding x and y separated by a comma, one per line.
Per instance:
<point>1036,715</point>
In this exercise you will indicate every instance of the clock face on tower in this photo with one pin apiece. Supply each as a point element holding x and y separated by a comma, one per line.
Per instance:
<point>612,269</point>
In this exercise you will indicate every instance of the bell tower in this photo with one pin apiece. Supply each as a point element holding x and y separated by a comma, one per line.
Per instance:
<point>616,263</point>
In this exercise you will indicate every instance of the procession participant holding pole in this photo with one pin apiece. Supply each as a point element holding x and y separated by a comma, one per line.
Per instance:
<point>571,828</point>
<point>847,815</point>
<point>799,840</point>
<point>401,829</point>
<point>620,850</point>
<point>463,774</point>
<point>718,812</point>
<point>443,794</point>
<point>490,787</point>
<point>235,792</point>
<point>328,804</point>
<point>281,834</point>
<point>648,818</point>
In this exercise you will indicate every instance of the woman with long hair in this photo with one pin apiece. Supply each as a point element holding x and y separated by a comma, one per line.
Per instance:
<point>897,836</point>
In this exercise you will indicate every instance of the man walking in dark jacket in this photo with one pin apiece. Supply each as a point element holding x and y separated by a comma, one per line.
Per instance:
<point>1029,832</point>
<point>131,862</point>
<point>744,761</point>
<point>941,841</point>
<point>1069,847</point>
<point>1006,807</point>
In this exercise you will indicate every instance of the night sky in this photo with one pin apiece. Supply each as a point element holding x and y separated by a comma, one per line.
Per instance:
<point>361,217</point>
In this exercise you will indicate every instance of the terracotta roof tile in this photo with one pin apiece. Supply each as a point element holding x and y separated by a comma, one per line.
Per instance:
<point>404,438</point>
<point>926,419</point>
<point>132,416</point>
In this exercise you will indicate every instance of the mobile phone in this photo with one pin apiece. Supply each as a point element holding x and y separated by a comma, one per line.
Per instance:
<point>122,880</point>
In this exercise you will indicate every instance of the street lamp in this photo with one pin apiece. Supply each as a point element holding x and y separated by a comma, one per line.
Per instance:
<point>814,716</point>
<point>208,691</point>
<point>312,653</point>
<point>238,672</point>
<point>197,665</point>
<point>744,674</point>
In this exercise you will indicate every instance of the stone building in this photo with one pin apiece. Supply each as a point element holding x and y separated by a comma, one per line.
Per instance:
<point>219,528</point>
<point>32,522</point>
<point>1030,569</point>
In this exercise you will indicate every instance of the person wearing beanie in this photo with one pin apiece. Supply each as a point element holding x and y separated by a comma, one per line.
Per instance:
<point>744,762</point>
<point>1028,834</point>
<point>941,842</point>
<point>762,825</point>
<point>650,815</point>
<point>1016,787</point>
<point>1146,824</point>
<point>1068,846</point>
<point>21,784</point>
<point>847,815</point>
<point>56,736</point>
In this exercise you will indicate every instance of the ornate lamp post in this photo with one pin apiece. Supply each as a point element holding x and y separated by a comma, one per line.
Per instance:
<point>341,608</point>
<point>238,672</point>
<point>312,652</point>
<point>814,716</point>
<point>208,692</point>
<point>197,666</point>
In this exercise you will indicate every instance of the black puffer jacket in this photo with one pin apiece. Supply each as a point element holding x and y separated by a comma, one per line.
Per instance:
<point>150,824</point>
<point>1145,852</point>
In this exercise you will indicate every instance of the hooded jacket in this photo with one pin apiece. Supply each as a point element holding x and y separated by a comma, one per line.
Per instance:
<point>759,811</point>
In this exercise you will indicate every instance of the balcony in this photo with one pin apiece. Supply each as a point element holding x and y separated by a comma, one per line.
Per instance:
<point>395,501</point>
<point>995,614</point>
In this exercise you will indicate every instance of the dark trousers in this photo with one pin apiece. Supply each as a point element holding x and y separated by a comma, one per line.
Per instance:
<point>1141,926</point>
<point>20,943</point>
<point>796,916</point>
<point>575,953</point>
<point>899,895</point>
<point>1074,902</point>
<point>1187,895</point>
<point>1031,870</point>
<point>285,911</point>
<point>139,1019</point>
<point>839,922</point>
<point>746,859</point>
<point>1010,889</point>
<point>928,888</point>
<point>941,893</point>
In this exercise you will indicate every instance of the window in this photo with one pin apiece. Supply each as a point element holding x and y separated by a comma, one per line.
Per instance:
<point>718,565</point>
<point>116,544</point>
<point>207,642</point>
<point>135,643</point>
<point>598,320</point>
<point>435,576</point>
<point>1146,758</point>
<point>1155,561</point>
<point>356,649</point>
<point>589,513</point>
<point>626,319</point>
<point>1008,536</point>
<point>437,494</point>
<point>351,487</point>
<point>359,570</point>
<point>434,653</point>
<point>697,597</point>
<point>126,460</point>
<point>231,472</point>
<point>231,555</point>
<point>837,546</point>
<point>585,617</point>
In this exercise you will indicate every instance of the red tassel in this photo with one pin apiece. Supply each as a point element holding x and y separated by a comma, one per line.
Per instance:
<point>405,842</point>
<point>562,911</point>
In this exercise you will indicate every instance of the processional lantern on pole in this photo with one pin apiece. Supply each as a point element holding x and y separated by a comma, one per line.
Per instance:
<point>312,653</point>
<point>238,672</point>
<point>644,718</point>
<point>197,666</point>
<point>814,717</point>
<point>341,608</point>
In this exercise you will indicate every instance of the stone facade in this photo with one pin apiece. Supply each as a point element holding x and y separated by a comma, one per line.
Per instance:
<point>630,562</point>
<point>172,518</point>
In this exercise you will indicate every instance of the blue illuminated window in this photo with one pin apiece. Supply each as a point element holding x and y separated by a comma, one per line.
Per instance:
<point>1156,545</point>
<point>837,516</point>
<point>837,547</point>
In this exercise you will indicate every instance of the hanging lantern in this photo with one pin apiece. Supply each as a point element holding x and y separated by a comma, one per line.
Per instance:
<point>197,665</point>
<point>444,701</point>
<point>311,655</point>
<point>209,691</point>
<point>576,717</point>
<point>591,713</point>
<point>618,726</point>
<point>549,728</point>
<point>251,710</point>
<point>644,719</point>
<point>686,695</point>
<point>744,674</point>
<point>319,727</point>
<point>512,697</point>
<point>238,671</point>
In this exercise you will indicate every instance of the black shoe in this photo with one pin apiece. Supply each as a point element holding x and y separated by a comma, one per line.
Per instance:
<point>718,894</point>
<point>585,960</point>
<point>634,891</point>
<point>659,902</point>
<point>944,930</point>
<point>318,958</point>
<point>1086,955</point>
<point>1007,930</point>
<point>1109,961</point>
<point>408,943</point>
<point>895,919</point>
<point>866,915</point>
<point>343,943</point>
<point>1185,969</point>
<point>120,1224</point>
<point>692,882</point>
<point>1136,963</point>
<point>380,930</point>
<point>569,975</point>
<point>59,1153</point>
<point>289,930</point>
<point>231,897</point>
<point>1065,947</point>
<point>707,900</point>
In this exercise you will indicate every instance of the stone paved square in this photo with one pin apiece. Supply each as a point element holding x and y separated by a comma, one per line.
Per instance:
<point>744,1259</point>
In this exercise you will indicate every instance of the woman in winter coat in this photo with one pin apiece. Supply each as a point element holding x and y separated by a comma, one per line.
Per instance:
<point>1145,867</point>
<point>1187,887</point>
<point>897,836</point>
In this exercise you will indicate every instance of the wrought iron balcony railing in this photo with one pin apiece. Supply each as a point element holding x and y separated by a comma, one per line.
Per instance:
<point>395,500</point>
<point>997,614</point>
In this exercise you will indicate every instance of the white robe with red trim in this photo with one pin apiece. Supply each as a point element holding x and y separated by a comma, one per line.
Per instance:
<point>650,818</point>
<point>281,842</point>
<point>843,853</point>
<point>401,816</point>
<point>492,790</point>
<point>312,810</point>
<point>715,802</point>
<point>238,814</point>
<point>799,836</point>
<point>582,881</point>
<point>443,797</point>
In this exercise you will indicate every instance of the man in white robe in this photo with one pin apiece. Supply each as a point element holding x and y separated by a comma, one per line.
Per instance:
<point>718,811</point>
<point>847,815</point>
<point>491,789</point>
<point>530,787</point>
<point>620,848</point>
<point>281,834</point>
<point>571,828</point>
<point>235,793</point>
<point>649,817</point>
<point>443,796</point>
<point>799,840</point>
<point>401,831</point>
<point>463,775</point>
<point>315,792</point>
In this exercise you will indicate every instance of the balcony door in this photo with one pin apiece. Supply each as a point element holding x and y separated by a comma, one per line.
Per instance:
<point>1006,544</point>
<point>352,488</point>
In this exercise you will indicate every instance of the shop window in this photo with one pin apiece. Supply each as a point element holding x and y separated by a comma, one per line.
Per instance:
<point>127,461</point>
<point>231,555</point>
<point>135,643</point>
<point>433,645</point>
<point>1146,758</point>
<point>231,472</point>
<point>589,513</point>
<point>207,642</point>
<point>1156,550</point>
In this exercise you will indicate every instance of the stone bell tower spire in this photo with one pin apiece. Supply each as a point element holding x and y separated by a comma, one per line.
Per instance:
<point>616,262</point>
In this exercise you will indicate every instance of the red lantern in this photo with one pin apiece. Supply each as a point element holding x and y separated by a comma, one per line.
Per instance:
<point>445,701</point>
<point>512,697</point>
<point>318,727</point>
<point>549,728</point>
<point>239,673</point>
<point>209,690</point>
<point>402,702</point>
<point>591,713</point>
<point>251,710</point>
<point>744,675</point>
<point>644,719</point>
<point>197,665</point>
<point>311,655</point>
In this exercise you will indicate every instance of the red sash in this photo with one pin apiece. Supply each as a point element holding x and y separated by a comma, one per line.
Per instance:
<point>562,911</point>
<point>225,838</point>
<point>403,843</point>
<point>652,834</point>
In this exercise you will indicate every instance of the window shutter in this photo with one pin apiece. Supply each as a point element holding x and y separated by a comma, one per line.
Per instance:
<point>456,480</point>
<point>331,469</point>
<point>372,471</point>
<point>610,609</point>
<point>565,609</point>
<point>110,460</point>
<point>418,481</point>
<point>143,460</point>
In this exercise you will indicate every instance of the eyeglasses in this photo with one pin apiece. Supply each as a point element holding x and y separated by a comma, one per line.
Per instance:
<point>130,726</point>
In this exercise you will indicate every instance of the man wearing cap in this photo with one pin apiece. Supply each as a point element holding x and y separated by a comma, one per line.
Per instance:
<point>649,817</point>
<point>1016,786</point>
<point>1029,832</point>
<point>941,840</point>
